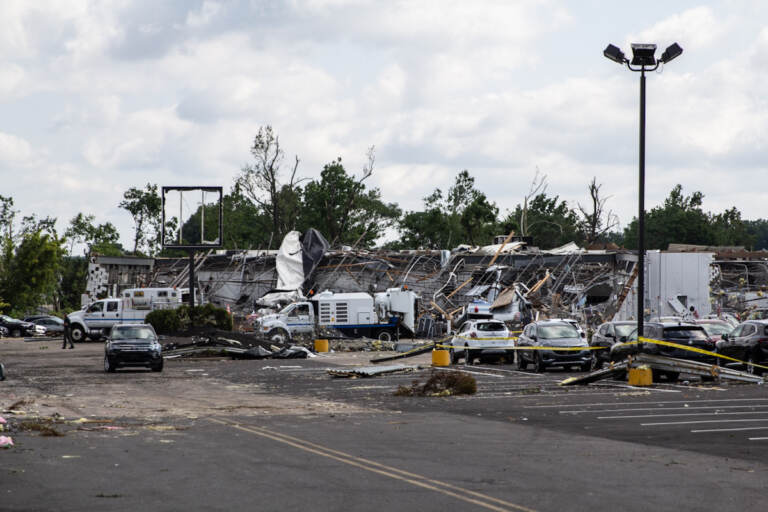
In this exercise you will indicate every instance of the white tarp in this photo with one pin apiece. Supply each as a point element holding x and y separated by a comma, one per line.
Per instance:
<point>290,263</point>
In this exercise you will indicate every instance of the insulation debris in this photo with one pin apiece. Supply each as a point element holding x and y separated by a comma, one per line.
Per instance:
<point>370,371</point>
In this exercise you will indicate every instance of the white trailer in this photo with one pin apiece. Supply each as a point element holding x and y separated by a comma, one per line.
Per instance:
<point>384,315</point>
<point>134,304</point>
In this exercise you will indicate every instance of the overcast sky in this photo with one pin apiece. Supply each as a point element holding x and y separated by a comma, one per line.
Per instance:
<point>97,97</point>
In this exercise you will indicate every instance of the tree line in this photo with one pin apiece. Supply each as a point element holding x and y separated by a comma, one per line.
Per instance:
<point>269,197</point>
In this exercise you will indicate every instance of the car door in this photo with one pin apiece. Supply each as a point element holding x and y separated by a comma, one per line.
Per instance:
<point>727,347</point>
<point>528,340</point>
<point>300,319</point>
<point>94,315</point>
<point>743,342</point>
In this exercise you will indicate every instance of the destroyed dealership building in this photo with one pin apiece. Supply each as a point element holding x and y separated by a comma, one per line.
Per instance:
<point>590,285</point>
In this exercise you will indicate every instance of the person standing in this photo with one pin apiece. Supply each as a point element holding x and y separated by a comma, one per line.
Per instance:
<point>67,334</point>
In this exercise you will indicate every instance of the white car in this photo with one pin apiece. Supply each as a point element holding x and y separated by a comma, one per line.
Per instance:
<point>478,338</point>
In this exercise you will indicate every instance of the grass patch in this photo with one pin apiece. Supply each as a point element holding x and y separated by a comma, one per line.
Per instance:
<point>441,383</point>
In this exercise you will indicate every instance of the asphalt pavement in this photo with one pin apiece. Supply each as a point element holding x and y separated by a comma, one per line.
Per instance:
<point>521,443</point>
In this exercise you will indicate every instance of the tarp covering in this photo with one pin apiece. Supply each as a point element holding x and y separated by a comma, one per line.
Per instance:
<point>290,263</point>
<point>313,246</point>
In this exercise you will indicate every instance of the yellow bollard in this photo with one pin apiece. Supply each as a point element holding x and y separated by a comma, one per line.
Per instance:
<point>321,345</point>
<point>640,376</point>
<point>441,358</point>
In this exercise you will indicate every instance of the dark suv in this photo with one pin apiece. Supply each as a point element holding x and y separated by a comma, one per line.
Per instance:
<point>132,345</point>
<point>551,335</point>
<point>748,342</point>
<point>680,333</point>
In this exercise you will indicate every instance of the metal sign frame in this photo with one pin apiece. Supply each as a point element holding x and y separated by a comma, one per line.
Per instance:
<point>190,246</point>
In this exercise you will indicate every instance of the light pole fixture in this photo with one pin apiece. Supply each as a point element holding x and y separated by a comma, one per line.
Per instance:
<point>643,59</point>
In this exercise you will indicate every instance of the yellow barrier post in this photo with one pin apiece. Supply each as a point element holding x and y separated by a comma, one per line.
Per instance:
<point>640,376</point>
<point>441,357</point>
<point>321,345</point>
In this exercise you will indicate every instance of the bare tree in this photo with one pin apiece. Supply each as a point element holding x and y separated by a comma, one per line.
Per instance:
<point>263,185</point>
<point>597,221</point>
<point>538,186</point>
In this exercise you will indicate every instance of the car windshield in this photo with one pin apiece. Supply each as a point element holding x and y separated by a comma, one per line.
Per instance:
<point>133,333</point>
<point>685,333</point>
<point>490,326</point>
<point>624,330</point>
<point>551,332</point>
<point>717,328</point>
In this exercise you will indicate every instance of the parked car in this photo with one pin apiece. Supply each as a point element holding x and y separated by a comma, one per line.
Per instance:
<point>680,333</point>
<point>606,336</point>
<point>18,328</point>
<point>747,342</point>
<point>481,338</point>
<point>53,324</point>
<point>715,328</point>
<point>552,333</point>
<point>132,345</point>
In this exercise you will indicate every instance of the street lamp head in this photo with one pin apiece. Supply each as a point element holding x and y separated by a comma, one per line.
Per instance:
<point>671,52</point>
<point>643,54</point>
<point>615,54</point>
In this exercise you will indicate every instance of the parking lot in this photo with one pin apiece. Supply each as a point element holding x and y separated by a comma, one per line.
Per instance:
<point>218,433</point>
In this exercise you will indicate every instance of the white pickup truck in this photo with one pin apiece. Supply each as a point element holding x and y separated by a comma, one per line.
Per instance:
<point>95,320</point>
<point>384,315</point>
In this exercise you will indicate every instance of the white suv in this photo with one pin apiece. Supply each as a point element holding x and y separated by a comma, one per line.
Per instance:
<point>481,338</point>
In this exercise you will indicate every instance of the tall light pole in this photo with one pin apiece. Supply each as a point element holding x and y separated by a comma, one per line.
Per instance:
<point>643,59</point>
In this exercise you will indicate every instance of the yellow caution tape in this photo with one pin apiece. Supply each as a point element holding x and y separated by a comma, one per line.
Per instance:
<point>506,347</point>
<point>694,349</point>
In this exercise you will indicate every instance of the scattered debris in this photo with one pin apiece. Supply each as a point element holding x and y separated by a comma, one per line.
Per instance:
<point>414,352</point>
<point>370,371</point>
<point>665,365</point>
<point>5,442</point>
<point>441,383</point>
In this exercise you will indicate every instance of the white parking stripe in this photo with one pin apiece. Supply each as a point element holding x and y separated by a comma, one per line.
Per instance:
<point>758,438</point>
<point>727,429</point>
<point>658,402</point>
<point>700,421</point>
<point>677,415</point>
<point>627,386</point>
<point>663,409</point>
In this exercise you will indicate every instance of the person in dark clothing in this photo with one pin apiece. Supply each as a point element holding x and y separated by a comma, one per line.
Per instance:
<point>67,334</point>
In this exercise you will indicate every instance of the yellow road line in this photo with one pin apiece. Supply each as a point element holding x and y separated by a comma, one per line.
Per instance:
<point>381,469</point>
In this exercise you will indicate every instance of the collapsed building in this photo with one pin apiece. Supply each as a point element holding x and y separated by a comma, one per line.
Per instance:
<point>512,278</point>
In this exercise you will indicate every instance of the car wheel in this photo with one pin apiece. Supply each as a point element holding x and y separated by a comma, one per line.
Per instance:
<point>157,367</point>
<point>454,356</point>
<point>595,364</point>
<point>384,336</point>
<point>109,366</point>
<point>469,358</point>
<point>77,334</point>
<point>538,364</point>
<point>750,368</point>
<point>278,336</point>
<point>521,364</point>
<point>16,333</point>
<point>588,365</point>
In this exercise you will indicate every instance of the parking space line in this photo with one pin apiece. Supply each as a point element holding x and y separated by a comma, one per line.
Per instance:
<point>708,430</point>
<point>467,495</point>
<point>627,386</point>
<point>758,438</point>
<point>663,408</point>
<point>710,400</point>
<point>735,420</point>
<point>677,415</point>
<point>517,372</point>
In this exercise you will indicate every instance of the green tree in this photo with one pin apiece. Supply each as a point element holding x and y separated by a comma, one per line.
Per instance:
<point>101,238</point>
<point>729,229</point>
<point>463,215</point>
<point>263,184</point>
<point>145,206</point>
<point>33,275</point>
<point>343,210</point>
<point>548,220</point>
<point>758,231</point>
<point>679,220</point>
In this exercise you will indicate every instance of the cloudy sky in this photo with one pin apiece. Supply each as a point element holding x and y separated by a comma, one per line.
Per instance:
<point>97,97</point>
